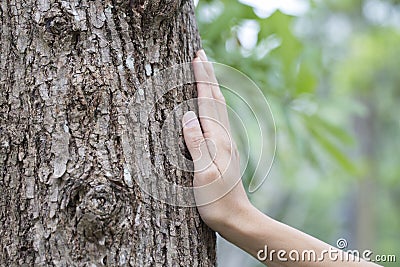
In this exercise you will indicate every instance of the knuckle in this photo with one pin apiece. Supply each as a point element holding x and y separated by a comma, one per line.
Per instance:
<point>226,145</point>
<point>195,140</point>
<point>209,175</point>
<point>213,172</point>
<point>204,101</point>
<point>208,134</point>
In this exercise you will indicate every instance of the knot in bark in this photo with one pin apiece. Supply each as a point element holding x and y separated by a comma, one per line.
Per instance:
<point>99,202</point>
<point>59,29</point>
<point>99,213</point>
<point>57,25</point>
<point>152,11</point>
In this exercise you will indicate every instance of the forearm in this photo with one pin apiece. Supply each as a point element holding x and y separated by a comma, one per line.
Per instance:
<point>278,244</point>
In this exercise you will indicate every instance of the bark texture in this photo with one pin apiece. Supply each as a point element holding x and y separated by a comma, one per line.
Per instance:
<point>67,197</point>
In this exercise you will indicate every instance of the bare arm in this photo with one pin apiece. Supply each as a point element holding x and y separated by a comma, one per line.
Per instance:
<point>219,193</point>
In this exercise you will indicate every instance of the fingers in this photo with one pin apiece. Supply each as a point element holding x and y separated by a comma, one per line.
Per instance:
<point>207,66</point>
<point>195,142</point>
<point>208,87</point>
<point>207,110</point>
<point>213,113</point>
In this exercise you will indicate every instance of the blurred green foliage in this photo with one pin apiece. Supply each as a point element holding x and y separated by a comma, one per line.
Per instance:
<point>332,79</point>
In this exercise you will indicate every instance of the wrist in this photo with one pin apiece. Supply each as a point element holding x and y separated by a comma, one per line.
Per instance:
<point>249,229</point>
<point>242,221</point>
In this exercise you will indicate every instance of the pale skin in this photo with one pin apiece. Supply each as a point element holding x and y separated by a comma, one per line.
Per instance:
<point>219,193</point>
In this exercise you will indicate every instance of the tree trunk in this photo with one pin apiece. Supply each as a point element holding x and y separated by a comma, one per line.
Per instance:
<point>69,194</point>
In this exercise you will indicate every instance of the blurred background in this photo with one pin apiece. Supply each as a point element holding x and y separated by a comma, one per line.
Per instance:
<point>330,71</point>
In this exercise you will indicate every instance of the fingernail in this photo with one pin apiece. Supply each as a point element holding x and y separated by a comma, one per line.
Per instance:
<point>202,55</point>
<point>190,120</point>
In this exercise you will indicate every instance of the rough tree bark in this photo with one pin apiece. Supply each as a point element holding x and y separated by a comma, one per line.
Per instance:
<point>67,71</point>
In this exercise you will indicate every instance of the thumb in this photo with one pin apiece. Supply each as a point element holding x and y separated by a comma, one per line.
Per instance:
<point>195,141</point>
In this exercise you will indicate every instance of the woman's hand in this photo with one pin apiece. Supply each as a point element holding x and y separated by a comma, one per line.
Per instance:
<point>219,193</point>
<point>218,189</point>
